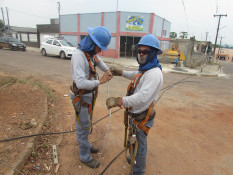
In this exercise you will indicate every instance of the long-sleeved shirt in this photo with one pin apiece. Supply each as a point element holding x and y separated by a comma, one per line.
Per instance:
<point>80,71</point>
<point>146,91</point>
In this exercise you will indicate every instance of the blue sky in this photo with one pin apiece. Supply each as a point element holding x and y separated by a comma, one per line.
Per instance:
<point>195,17</point>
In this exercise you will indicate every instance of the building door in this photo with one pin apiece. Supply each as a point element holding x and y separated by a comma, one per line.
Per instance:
<point>128,47</point>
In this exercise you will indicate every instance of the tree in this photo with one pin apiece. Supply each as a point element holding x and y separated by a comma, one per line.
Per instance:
<point>183,35</point>
<point>173,35</point>
<point>225,46</point>
<point>1,24</point>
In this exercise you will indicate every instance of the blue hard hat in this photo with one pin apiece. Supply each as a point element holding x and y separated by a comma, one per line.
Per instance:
<point>151,41</point>
<point>101,36</point>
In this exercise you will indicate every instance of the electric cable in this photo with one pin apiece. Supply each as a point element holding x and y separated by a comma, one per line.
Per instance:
<point>52,133</point>
<point>112,161</point>
<point>65,132</point>
<point>166,88</point>
<point>185,16</point>
<point>27,13</point>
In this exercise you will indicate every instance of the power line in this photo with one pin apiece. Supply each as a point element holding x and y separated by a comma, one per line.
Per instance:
<point>216,6</point>
<point>185,16</point>
<point>28,14</point>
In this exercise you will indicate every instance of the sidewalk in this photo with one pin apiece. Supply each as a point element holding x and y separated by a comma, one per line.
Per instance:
<point>210,70</point>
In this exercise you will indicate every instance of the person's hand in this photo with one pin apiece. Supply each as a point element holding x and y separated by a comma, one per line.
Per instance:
<point>106,77</point>
<point>113,102</point>
<point>115,71</point>
<point>109,72</point>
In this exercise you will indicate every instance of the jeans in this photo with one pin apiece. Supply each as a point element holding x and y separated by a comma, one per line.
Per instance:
<point>82,134</point>
<point>139,167</point>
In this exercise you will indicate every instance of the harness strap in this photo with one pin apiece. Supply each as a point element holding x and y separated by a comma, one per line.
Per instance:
<point>80,92</point>
<point>141,125</point>
<point>132,86</point>
<point>130,90</point>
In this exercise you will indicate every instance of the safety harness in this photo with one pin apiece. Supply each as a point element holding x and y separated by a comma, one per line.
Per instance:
<point>79,92</point>
<point>132,143</point>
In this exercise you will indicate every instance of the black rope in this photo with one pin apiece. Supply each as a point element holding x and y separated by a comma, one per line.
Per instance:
<point>52,133</point>
<point>64,132</point>
<point>112,161</point>
<point>166,88</point>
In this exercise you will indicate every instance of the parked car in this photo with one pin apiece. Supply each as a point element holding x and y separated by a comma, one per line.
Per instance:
<point>11,43</point>
<point>58,47</point>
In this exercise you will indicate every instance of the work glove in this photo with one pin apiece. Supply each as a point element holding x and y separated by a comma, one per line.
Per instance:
<point>109,72</point>
<point>113,102</point>
<point>106,77</point>
<point>115,71</point>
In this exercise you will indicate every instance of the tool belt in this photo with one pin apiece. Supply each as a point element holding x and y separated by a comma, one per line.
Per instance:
<point>77,91</point>
<point>140,117</point>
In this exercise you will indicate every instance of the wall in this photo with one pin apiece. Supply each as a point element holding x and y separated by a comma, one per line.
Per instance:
<point>75,25</point>
<point>29,39</point>
<point>192,58</point>
<point>158,26</point>
<point>71,38</point>
<point>110,21</point>
<point>224,52</point>
<point>89,20</point>
<point>167,28</point>
<point>69,23</point>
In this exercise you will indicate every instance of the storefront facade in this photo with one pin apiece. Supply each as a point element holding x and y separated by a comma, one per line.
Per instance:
<point>126,29</point>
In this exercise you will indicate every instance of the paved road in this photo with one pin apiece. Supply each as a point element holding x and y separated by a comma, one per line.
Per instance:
<point>227,67</point>
<point>51,67</point>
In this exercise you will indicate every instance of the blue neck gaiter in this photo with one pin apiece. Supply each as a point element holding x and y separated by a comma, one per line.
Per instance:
<point>87,44</point>
<point>151,61</point>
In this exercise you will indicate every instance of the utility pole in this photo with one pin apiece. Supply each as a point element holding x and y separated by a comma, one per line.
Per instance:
<point>219,18</point>
<point>206,36</point>
<point>59,18</point>
<point>3,20</point>
<point>8,21</point>
<point>219,47</point>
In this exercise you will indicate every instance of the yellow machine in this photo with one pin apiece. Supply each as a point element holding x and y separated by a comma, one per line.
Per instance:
<point>173,56</point>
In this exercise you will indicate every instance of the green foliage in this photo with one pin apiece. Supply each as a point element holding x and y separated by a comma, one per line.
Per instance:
<point>173,35</point>
<point>1,24</point>
<point>183,35</point>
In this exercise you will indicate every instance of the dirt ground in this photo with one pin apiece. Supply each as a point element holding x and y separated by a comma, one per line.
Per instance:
<point>192,134</point>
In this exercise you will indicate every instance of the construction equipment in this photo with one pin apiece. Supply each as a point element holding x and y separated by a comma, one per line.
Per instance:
<point>173,56</point>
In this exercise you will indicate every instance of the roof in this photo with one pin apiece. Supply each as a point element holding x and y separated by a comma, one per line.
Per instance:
<point>23,29</point>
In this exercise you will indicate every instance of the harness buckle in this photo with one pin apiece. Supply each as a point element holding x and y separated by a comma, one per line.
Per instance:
<point>132,139</point>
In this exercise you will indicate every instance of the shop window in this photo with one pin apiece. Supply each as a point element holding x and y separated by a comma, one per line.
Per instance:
<point>33,37</point>
<point>24,37</point>
<point>164,32</point>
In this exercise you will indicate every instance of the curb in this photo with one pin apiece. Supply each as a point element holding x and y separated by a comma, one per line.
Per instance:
<point>24,155</point>
<point>197,74</point>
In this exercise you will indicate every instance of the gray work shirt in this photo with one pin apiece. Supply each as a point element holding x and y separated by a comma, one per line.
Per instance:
<point>80,71</point>
<point>146,91</point>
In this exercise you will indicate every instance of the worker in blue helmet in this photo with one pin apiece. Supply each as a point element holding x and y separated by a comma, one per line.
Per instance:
<point>142,94</point>
<point>84,87</point>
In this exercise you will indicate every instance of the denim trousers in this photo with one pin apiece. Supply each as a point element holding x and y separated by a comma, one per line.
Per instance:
<point>140,159</point>
<point>82,134</point>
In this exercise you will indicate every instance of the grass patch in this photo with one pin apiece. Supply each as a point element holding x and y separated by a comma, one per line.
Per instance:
<point>8,81</point>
